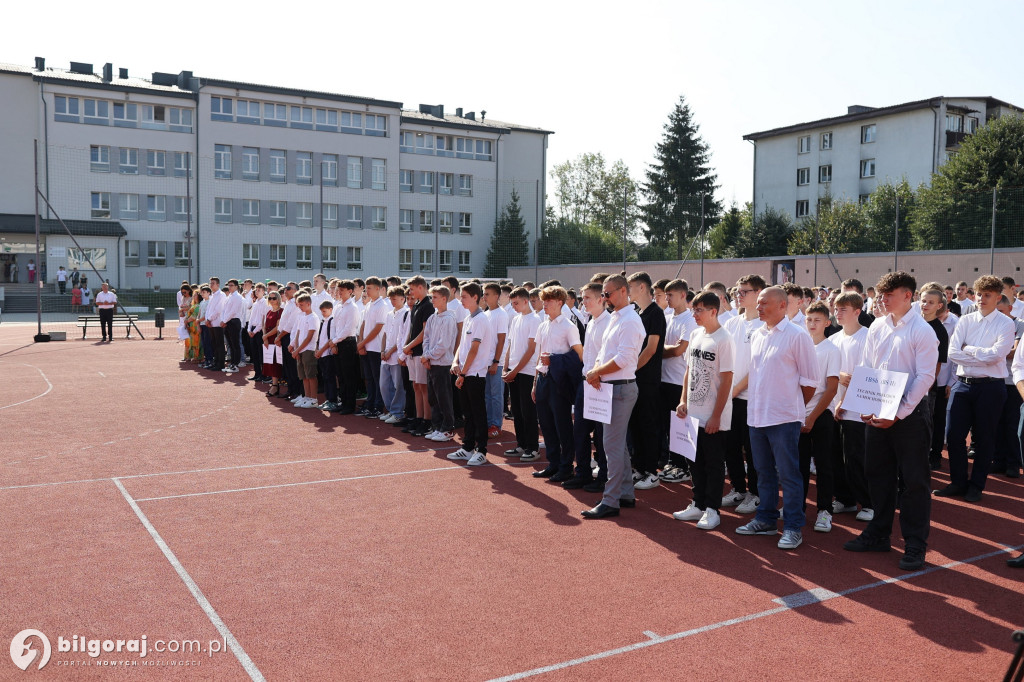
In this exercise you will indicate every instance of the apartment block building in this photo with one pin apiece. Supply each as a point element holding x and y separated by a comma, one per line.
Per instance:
<point>179,176</point>
<point>848,156</point>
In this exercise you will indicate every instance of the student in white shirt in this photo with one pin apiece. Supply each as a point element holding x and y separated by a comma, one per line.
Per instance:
<point>302,349</point>
<point>900,342</point>
<point>439,334</point>
<point>231,316</point>
<point>470,367</point>
<point>782,377</point>
<point>290,315</point>
<point>392,387</point>
<point>708,398</point>
<point>1007,458</point>
<point>588,435</point>
<point>680,324</point>
<point>368,347</point>
<point>253,332</point>
<point>498,320</point>
<point>966,304</point>
<point>979,347</point>
<point>1010,291</point>
<point>794,305</point>
<point>106,302</point>
<point>718,289</point>
<point>216,322</point>
<point>520,369</point>
<point>320,293</point>
<point>324,354</point>
<point>346,326</point>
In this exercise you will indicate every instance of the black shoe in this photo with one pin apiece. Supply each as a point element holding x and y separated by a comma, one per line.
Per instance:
<point>913,559</point>
<point>1013,473</point>
<point>973,494</point>
<point>545,473</point>
<point>575,483</point>
<point>629,504</point>
<point>935,464</point>
<point>372,414</point>
<point>950,491</point>
<point>413,425</point>
<point>595,486</point>
<point>420,432</point>
<point>601,511</point>
<point>346,410</point>
<point>560,477</point>
<point>865,543</point>
<point>402,423</point>
<point>254,378</point>
<point>266,380</point>
<point>1017,562</point>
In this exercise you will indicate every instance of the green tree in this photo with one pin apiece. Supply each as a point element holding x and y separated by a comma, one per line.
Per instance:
<point>677,181</point>
<point>766,235</point>
<point>590,193</point>
<point>836,227</point>
<point>880,212</point>
<point>565,242</point>
<point>510,246</point>
<point>723,238</point>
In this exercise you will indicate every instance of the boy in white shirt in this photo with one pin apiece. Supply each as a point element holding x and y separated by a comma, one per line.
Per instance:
<point>301,348</point>
<point>498,320</point>
<point>369,347</point>
<point>520,368</point>
<point>325,357</point>
<point>588,435</point>
<point>439,334</point>
<point>708,398</point>
<point>817,432</point>
<point>470,367</point>
<point>392,387</point>
<point>343,337</point>
<point>679,325</point>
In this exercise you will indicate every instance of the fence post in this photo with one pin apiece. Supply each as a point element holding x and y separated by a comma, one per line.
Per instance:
<point>625,191</point>
<point>896,237</point>
<point>992,246</point>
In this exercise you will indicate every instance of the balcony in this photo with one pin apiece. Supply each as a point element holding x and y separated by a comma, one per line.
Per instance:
<point>954,138</point>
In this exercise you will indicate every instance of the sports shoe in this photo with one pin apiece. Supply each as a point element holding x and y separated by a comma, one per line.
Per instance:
<point>710,520</point>
<point>384,416</point>
<point>296,399</point>
<point>791,539</point>
<point>460,454</point>
<point>392,419</point>
<point>756,527</point>
<point>913,559</point>
<point>749,504</point>
<point>372,414</point>
<point>478,459</point>
<point>443,436</point>
<point>673,474</point>
<point>733,498</point>
<point>327,405</point>
<point>647,482</point>
<point>866,543</point>
<point>515,452</point>
<point>529,456</point>
<point>823,524</point>
<point>840,508</point>
<point>865,514</point>
<point>814,467</point>
<point>637,475</point>
<point>306,402</point>
<point>691,513</point>
<point>494,432</point>
<point>429,435</point>
<point>231,369</point>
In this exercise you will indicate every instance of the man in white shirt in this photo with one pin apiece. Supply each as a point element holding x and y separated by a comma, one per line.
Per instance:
<point>374,314</point>
<point>253,332</point>
<point>520,370</point>
<point>679,325</point>
<point>460,314</point>
<point>498,320</point>
<point>615,364</point>
<point>470,367</point>
<point>290,315</point>
<point>216,322</point>
<point>782,377</point>
<point>980,344</point>
<point>588,435</point>
<point>900,342</point>
<point>1007,458</point>
<point>106,302</point>
<point>966,304</point>
<point>231,315</point>
<point>1010,291</point>
<point>345,328</point>
<point>391,385</point>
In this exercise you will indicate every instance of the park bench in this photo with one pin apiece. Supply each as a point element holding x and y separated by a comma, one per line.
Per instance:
<point>126,321</point>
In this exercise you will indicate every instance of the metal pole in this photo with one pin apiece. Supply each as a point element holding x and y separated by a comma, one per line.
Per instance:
<point>536,232</point>
<point>896,238</point>
<point>701,233</point>
<point>816,235</point>
<point>322,215</point>
<point>437,221</point>
<point>39,269</point>
<point>625,190</point>
<point>188,210</point>
<point>992,247</point>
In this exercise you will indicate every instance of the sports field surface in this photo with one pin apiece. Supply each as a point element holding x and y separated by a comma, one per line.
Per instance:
<point>141,496</point>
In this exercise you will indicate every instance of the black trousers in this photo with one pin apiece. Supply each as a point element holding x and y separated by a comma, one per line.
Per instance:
<point>708,470</point>
<point>645,427</point>
<point>410,394</point>
<point>62,286</point>
<point>939,402</point>
<point>348,372</point>
<point>328,367</point>
<point>233,331</point>
<point>588,437</point>
<point>524,412</point>
<point>217,339</point>
<point>818,444</point>
<point>737,451</point>
<point>900,449</point>
<point>107,322</point>
<point>256,351</point>
<point>854,476</point>
<point>668,397</point>
<point>291,369</point>
<point>554,412</point>
<point>474,409</point>
<point>1008,454</point>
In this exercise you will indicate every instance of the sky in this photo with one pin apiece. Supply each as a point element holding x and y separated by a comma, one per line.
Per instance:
<point>603,76</point>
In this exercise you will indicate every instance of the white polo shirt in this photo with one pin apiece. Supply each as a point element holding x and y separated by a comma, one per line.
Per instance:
<point>304,325</point>
<point>782,360</point>
<point>520,331</point>
<point>477,328</point>
<point>375,313</point>
<point>851,356</point>
<point>678,330</point>
<point>829,362</point>
<point>106,300</point>
<point>498,320</point>
<point>742,331</point>
<point>555,337</point>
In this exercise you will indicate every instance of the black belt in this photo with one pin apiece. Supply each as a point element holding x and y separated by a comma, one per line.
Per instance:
<point>979,380</point>
<point>619,382</point>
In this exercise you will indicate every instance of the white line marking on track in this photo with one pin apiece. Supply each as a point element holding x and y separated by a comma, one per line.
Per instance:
<point>102,374</point>
<point>652,635</point>
<point>49,387</point>
<point>236,648</point>
<point>791,602</point>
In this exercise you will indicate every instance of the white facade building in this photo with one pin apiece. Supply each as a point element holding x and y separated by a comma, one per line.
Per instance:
<point>283,183</point>
<point>848,156</point>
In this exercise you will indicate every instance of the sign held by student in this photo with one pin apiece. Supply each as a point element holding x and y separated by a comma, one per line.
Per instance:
<point>875,391</point>
<point>683,436</point>
<point>597,403</point>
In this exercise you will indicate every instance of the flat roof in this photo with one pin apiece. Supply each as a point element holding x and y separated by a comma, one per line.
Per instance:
<point>25,223</point>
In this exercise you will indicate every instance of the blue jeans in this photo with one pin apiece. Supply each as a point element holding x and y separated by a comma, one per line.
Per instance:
<point>392,389</point>
<point>776,451</point>
<point>494,395</point>
<point>974,408</point>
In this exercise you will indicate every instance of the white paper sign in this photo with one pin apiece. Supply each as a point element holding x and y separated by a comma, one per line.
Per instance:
<point>683,436</point>
<point>271,354</point>
<point>875,391</point>
<point>597,403</point>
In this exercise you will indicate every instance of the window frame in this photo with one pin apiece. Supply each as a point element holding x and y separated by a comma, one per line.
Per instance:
<point>222,210</point>
<point>353,258</point>
<point>131,260</point>
<point>280,262</point>
<point>99,203</point>
<point>156,207</point>
<point>252,259</point>
<point>868,131</point>
<point>824,173</point>
<point>803,176</point>
<point>803,144</point>
<point>864,164</point>
<point>156,257</point>
<point>222,161</point>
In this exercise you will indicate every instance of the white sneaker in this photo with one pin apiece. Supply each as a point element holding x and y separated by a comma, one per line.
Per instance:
<point>391,419</point>
<point>636,476</point>
<point>384,416</point>
<point>529,456</point>
<point>710,520</point>
<point>460,454</point>
<point>840,508</point>
<point>814,467</point>
<point>647,482</point>
<point>478,459</point>
<point>515,452</point>
<point>691,513</point>
<point>431,435</point>
<point>296,399</point>
<point>733,498</point>
<point>791,539</point>
<point>243,363</point>
<point>749,504</point>
<point>866,514</point>
<point>444,437</point>
<point>306,402</point>
<point>823,524</point>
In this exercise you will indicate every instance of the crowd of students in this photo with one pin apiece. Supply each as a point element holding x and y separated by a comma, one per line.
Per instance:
<point>763,369</point>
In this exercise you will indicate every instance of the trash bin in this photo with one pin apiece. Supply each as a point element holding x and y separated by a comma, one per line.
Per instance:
<point>159,320</point>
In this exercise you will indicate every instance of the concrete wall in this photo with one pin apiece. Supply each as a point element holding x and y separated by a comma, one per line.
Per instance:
<point>18,123</point>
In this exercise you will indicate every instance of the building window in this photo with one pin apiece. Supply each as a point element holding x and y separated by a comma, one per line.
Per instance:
<point>803,176</point>
<point>445,183</point>
<point>426,260</point>
<point>353,122</point>
<point>275,115</point>
<point>354,257</point>
<point>65,109</point>
<point>863,199</point>
<point>867,168</point>
<point>379,218</point>
<point>250,255</point>
<point>154,117</point>
<point>278,256</point>
<point>376,125</point>
<point>100,205</point>
<point>444,222</point>
<point>222,210</point>
<point>483,150</point>
<point>426,221</point>
<point>222,161</point>
<point>826,140</point>
<point>304,167</point>
<point>128,206</point>
<point>251,211</point>
<point>181,209</point>
<point>378,174</point>
<point>156,207</point>
<point>804,144</point>
<point>405,222</point>
<point>825,173</point>
<point>304,214</point>
<point>181,120</point>
<point>354,217</point>
<point>221,109</point>
<point>955,123</point>
<point>99,158</point>
<point>405,260</point>
<point>182,254</point>
<point>466,185</point>
<point>406,142</point>
<point>329,258</point>
<point>464,147</point>
<point>182,164</point>
<point>327,118</point>
<point>330,215</point>
<point>444,261</point>
<point>465,223</point>
<point>156,254</point>
<point>443,144</point>
<point>129,161</point>
<point>355,172</point>
<point>802,208</point>
<point>131,252</point>
<point>278,212</point>
<point>329,170</point>
<point>302,117</point>
<point>464,261</point>
<point>424,143</point>
<point>972,124</point>
<point>867,133</point>
<point>278,165</point>
<point>247,111</point>
<point>405,181</point>
<point>426,183</point>
<point>304,257</point>
<point>156,162</point>
<point>126,114</point>
<point>98,111</point>
<point>250,163</point>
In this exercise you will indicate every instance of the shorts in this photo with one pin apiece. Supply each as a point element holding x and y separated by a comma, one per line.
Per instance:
<point>417,372</point>
<point>307,365</point>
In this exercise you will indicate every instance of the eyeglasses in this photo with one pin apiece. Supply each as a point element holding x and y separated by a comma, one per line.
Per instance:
<point>744,292</point>
<point>699,311</point>
<point>273,298</point>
